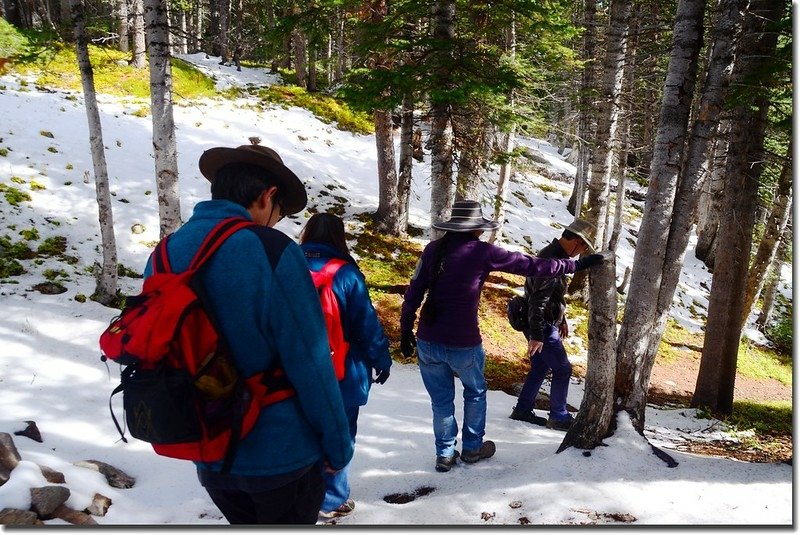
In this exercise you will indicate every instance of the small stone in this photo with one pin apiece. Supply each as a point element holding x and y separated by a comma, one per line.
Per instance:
<point>18,517</point>
<point>45,500</point>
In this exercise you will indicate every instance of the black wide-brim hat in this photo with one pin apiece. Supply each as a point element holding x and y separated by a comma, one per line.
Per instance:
<point>466,216</point>
<point>292,191</point>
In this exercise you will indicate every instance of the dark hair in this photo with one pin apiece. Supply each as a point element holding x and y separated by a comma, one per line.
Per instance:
<point>325,228</point>
<point>569,235</point>
<point>242,183</point>
<point>427,313</point>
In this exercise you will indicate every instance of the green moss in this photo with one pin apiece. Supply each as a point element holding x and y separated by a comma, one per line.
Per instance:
<point>80,298</point>
<point>45,133</point>
<point>3,152</point>
<point>53,246</point>
<point>124,271</point>
<point>37,186</point>
<point>9,267</point>
<point>55,65</point>
<point>18,250</point>
<point>12,41</point>
<point>53,274</point>
<point>30,234</point>
<point>762,417</point>
<point>18,180</point>
<point>325,108</point>
<point>13,195</point>
<point>760,362</point>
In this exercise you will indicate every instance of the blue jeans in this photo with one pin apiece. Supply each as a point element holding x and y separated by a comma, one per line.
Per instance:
<point>553,356</point>
<point>437,364</point>
<point>337,486</point>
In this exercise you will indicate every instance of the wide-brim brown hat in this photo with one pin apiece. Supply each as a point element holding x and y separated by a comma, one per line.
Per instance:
<point>291,189</point>
<point>466,216</point>
<point>585,231</point>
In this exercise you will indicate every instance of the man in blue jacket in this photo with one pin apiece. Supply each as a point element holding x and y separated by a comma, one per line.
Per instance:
<point>259,289</point>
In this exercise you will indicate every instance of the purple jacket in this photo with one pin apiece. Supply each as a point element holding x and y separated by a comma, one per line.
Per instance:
<point>467,263</point>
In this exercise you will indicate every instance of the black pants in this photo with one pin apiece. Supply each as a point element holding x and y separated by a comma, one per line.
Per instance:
<point>297,502</point>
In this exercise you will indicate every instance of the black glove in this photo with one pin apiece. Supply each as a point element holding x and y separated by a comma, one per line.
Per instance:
<point>586,262</point>
<point>382,376</point>
<point>407,344</point>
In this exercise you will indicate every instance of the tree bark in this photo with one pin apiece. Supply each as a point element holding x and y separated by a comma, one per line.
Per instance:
<point>597,408</point>
<point>122,25</point>
<point>138,53</point>
<point>773,230</point>
<point>771,287</point>
<point>311,84</point>
<point>105,291</point>
<point>406,163</point>
<point>441,136</point>
<point>224,30</point>
<point>717,375</point>
<point>164,145</point>
<point>711,197</point>
<point>507,145</point>
<point>642,325</point>
<point>585,109</point>
<point>386,216</point>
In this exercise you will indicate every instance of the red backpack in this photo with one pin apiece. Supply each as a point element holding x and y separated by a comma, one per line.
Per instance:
<point>181,390</point>
<point>323,281</point>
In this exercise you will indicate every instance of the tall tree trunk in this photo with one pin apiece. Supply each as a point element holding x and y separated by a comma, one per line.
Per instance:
<point>386,216</point>
<point>774,278</point>
<point>503,183</point>
<point>717,375</point>
<point>12,12</point>
<point>597,408</point>
<point>182,46</point>
<point>773,230</point>
<point>138,53</point>
<point>470,131</point>
<point>299,48</point>
<point>212,44</point>
<point>106,289</point>
<point>585,108</point>
<point>196,26</point>
<point>642,324</point>
<point>224,30</point>
<point>711,197</point>
<point>441,136</point>
<point>122,25</point>
<point>164,146</point>
<point>340,66</point>
<point>507,145</point>
<point>311,84</point>
<point>405,165</point>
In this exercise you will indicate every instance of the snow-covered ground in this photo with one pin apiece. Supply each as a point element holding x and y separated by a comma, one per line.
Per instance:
<point>50,370</point>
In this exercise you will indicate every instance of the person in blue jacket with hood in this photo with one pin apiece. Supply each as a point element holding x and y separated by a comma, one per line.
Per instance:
<point>321,240</point>
<point>259,289</point>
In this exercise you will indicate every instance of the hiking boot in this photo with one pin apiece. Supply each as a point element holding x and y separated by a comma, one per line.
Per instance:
<point>343,510</point>
<point>528,416</point>
<point>560,425</point>
<point>444,464</point>
<point>486,450</point>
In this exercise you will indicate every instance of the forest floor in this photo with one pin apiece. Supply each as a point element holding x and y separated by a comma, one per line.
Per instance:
<point>673,382</point>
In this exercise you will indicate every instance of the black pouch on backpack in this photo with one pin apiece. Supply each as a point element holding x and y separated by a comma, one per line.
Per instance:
<point>160,405</point>
<point>517,310</point>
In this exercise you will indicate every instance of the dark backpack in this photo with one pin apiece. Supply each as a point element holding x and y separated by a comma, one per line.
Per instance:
<point>181,390</point>
<point>323,281</point>
<point>517,310</point>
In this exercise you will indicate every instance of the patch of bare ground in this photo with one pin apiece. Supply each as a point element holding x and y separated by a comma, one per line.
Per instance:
<point>673,383</point>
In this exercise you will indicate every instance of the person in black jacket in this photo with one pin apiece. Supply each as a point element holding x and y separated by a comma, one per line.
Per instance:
<point>547,325</point>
